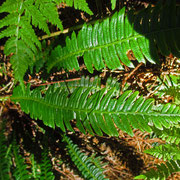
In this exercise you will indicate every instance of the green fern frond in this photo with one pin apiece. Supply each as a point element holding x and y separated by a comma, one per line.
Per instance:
<point>23,42</point>
<point>94,83</point>
<point>84,163</point>
<point>20,169</point>
<point>46,166</point>
<point>84,82</point>
<point>107,43</point>
<point>171,135</point>
<point>4,158</point>
<point>35,168</point>
<point>100,111</point>
<point>77,4</point>
<point>165,152</point>
<point>162,172</point>
<point>173,91</point>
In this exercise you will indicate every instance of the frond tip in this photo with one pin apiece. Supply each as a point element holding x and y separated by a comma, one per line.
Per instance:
<point>97,113</point>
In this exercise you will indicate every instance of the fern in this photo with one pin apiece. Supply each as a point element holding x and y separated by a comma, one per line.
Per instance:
<point>20,169</point>
<point>165,152</point>
<point>35,168</point>
<point>169,86</point>
<point>84,163</point>
<point>100,111</point>
<point>162,172</point>
<point>114,37</point>
<point>171,135</point>
<point>94,83</point>
<point>77,4</point>
<point>23,42</point>
<point>46,166</point>
<point>4,156</point>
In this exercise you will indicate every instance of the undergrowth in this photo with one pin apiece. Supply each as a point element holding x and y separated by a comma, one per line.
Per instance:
<point>102,106</point>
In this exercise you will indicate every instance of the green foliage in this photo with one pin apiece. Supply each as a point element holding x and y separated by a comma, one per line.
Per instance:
<point>46,166</point>
<point>99,112</point>
<point>162,172</point>
<point>113,4</point>
<point>165,152</point>
<point>85,164</point>
<point>4,158</point>
<point>35,168</point>
<point>171,135</point>
<point>77,4</point>
<point>169,86</point>
<point>20,170</point>
<point>94,83</point>
<point>108,42</point>
<point>151,32</point>
<point>17,25</point>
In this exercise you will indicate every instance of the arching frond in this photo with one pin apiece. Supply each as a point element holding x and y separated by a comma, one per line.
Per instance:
<point>85,164</point>
<point>165,152</point>
<point>162,172</point>
<point>99,112</point>
<point>109,42</point>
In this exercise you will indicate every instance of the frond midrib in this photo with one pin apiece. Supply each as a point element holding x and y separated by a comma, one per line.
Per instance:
<point>17,29</point>
<point>82,51</point>
<point>153,114</point>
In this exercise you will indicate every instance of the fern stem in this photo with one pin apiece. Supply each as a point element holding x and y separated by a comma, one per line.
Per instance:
<point>57,33</point>
<point>48,83</point>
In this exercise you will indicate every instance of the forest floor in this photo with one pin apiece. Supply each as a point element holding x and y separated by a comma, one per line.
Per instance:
<point>123,156</point>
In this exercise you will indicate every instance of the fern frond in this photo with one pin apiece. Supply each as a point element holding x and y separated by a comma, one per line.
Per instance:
<point>84,163</point>
<point>107,43</point>
<point>4,158</point>
<point>84,82</point>
<point>94,83</point>
<point>23,43</point>
<point>77,4</point>
<point>46,166</point>
<point>20,169</point>
<point>171,135</point>
<point>100,111</point>
<point>163,171</point>
<point>165,152</point>
<point>35,168</point>
<point>173,91</point>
